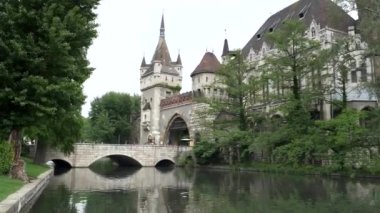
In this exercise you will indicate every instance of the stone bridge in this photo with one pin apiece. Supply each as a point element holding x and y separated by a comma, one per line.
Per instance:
<point>125,154</point>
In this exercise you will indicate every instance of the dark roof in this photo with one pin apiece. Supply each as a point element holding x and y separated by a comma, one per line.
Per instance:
<point>143,63</point>
<point>162,55</point>
<point>324,12</point>
<point>179,61</point>
<point>226,50</point>
<point>209,64</point>
<point>162,52</point>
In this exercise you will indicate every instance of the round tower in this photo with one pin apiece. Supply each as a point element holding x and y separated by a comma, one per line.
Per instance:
<point>204,75</point>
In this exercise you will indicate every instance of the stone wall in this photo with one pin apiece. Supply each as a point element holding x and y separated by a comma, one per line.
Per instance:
<point>26,196</point>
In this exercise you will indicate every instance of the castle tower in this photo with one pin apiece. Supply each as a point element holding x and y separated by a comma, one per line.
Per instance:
<point>203,76</point>
<point>160,79</point>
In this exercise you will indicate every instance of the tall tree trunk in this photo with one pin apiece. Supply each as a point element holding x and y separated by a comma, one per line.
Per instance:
<point>18,165</point>
<point>41,148</point>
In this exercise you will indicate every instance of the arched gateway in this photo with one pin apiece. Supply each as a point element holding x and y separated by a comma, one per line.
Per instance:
<point>177,132</point>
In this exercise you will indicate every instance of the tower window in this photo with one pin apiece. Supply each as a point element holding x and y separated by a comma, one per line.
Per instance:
<point>301,15</point>
<point>258,36</point>
<point>364,75</point>
<point>354,77</point>
<point>313,33</point>
<point>270,29</point>
<point>206,79</point>
<point>199,79</point>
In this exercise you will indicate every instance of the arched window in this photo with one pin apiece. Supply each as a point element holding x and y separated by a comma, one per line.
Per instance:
<point>313,33</point>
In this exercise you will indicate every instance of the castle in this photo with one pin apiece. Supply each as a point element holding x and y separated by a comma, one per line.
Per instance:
<point>168,117</point>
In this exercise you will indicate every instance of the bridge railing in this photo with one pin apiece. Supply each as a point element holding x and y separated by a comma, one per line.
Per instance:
<point>178,147</point>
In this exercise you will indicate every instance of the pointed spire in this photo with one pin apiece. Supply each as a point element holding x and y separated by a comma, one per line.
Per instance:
<point>179,61</point>
<point>143,63</point>
<point>226,50</point>
<point>162,28</point>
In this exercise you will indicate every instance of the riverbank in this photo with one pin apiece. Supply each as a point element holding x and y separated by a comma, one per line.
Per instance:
<point>14,194</point>
<point>306,170</point>
<point>30,191</point>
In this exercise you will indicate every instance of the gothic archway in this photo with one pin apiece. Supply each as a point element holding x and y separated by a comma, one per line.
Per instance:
<point>366,118</point>
<point>177,132</point>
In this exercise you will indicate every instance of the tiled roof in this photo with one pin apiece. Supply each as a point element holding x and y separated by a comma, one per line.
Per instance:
<point>324,12</point>
<point>209,64</point>
<point>162,53</point>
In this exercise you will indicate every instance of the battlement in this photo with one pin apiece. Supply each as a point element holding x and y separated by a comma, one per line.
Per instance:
<point>176,100</point>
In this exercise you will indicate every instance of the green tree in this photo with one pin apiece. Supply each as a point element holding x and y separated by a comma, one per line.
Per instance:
<point>111,117</point>
<point>43,64</point>
<point>293,62</point>
<point>342,134</point>
<point>343,63</point>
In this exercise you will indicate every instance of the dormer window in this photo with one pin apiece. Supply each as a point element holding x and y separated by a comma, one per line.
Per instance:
<point>258,36</point>
<point>313,32</point>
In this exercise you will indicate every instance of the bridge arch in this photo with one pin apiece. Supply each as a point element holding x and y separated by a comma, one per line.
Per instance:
<point>177,131</point>
<point>121,159</point>
<point>164,163</point>
<point>61,163</point>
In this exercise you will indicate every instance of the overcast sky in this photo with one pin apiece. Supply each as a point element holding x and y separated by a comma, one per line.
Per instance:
<point>128,30</point>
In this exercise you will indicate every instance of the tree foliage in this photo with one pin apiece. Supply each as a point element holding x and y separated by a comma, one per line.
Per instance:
<point>112,117</point>
<point>43,45</point>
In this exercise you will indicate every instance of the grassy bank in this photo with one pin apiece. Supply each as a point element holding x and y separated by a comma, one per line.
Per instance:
<point>9,186</point>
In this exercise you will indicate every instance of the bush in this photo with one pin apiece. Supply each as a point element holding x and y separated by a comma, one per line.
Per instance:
<point>206,152</point>
<point>5,157</point>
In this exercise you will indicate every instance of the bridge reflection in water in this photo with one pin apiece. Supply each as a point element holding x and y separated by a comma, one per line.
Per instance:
<point>146,189</point>
<point>83,179</point>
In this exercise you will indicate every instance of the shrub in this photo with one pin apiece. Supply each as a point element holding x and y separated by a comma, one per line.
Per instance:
<point>206,152</point>
<point>5,157</point>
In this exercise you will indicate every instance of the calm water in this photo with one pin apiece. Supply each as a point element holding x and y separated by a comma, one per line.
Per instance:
<point>179,190</point>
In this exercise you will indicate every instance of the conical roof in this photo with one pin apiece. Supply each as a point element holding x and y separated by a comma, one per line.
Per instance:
<point>208,64</point>
<point>179,61</point>
<point>162,52</point>
<point>143,63</point>
<point>226,49</point>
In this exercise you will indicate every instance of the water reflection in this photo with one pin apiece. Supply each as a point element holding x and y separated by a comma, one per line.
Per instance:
<point>109,169</point>
<point>180,190</point>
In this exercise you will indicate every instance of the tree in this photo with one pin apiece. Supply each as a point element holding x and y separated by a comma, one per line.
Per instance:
<point>343,63</point>
<point>369,29</point>
<point>293,61</point>
<point>111,117</point>
<point>43,64</point>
